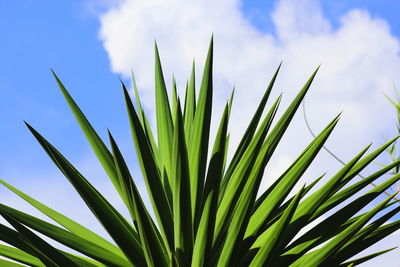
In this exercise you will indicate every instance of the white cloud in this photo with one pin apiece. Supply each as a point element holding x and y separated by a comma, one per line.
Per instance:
<point>360,59</point>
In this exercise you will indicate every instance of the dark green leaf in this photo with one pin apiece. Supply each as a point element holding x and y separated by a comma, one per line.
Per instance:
<point>118,228</point>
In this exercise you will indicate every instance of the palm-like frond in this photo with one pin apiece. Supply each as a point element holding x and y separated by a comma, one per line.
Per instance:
<point>206,211</point>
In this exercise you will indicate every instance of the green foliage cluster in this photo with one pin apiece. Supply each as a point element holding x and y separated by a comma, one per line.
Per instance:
<point>206,208</point>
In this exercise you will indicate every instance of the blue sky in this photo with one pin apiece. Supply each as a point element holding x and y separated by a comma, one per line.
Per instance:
<point>63,35</point>
<point>386,9</point>
<point>80,41</point>
<point>41,35</point>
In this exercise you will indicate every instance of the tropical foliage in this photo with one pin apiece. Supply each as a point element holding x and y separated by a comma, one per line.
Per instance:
<point>207,210</point>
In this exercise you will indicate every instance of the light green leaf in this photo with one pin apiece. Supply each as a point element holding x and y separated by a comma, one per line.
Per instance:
<point>43,250</point>
<point>204,237</point>
<point>151,174</point>
<point>100,149</point>
<point>19,256</point>
<point>251,129</point>
<point>335,244</point>
<point>199,134</point>
<point>270,248</point>
<point>238,180</point>
<point>190,103</point>
<point>144,122</point>
<point>66,222</point>
<point>366,258</point>
<point>66,238</point>
<point>150,239</point>
<point>164,121</point>
<point>242,208</point>
<point>282,187</point>
<point>183,231</point>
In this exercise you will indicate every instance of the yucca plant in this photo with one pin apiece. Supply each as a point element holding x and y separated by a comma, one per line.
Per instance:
<point>206,208</point>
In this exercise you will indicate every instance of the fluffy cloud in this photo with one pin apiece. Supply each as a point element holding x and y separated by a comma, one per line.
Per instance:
<point>360,59</point>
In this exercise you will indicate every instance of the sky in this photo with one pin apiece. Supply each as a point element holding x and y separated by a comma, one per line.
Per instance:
<point>91,44</point>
